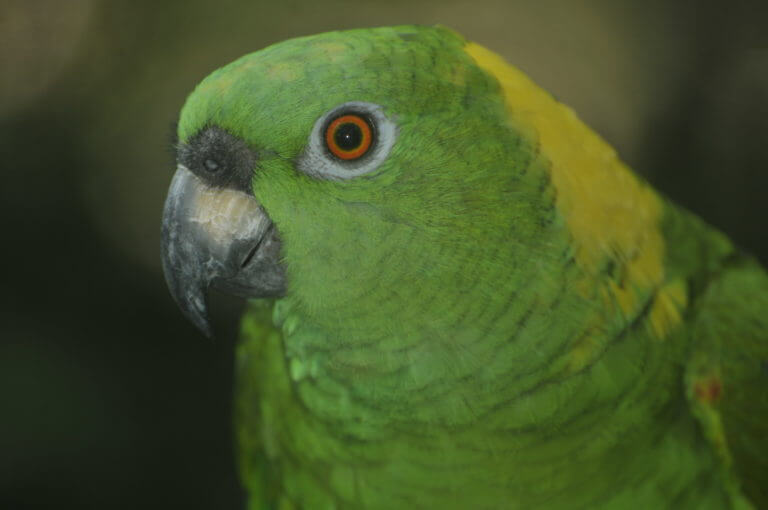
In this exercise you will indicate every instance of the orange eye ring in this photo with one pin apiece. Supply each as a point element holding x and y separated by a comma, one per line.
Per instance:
<point>349,136</point>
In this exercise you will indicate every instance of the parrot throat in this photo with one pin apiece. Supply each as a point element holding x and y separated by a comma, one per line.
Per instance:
<point>353,417</point>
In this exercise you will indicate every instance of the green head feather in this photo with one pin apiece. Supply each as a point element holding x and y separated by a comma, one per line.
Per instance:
<point>427,225</point>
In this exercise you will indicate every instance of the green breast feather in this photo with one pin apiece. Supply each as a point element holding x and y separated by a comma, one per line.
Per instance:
<point>459,296</point>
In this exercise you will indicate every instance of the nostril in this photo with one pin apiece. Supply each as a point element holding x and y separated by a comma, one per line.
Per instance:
<point>211,165</point>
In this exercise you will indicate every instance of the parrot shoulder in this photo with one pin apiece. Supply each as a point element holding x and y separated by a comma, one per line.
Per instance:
<point>726,375</point>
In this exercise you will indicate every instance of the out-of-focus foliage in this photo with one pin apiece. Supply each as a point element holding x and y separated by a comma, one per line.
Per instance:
<point>108,399</point>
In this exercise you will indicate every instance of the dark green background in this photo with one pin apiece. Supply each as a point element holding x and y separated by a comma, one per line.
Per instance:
<point>108,398</point>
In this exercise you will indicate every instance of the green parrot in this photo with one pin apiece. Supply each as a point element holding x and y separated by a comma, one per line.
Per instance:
<point>458,295</point>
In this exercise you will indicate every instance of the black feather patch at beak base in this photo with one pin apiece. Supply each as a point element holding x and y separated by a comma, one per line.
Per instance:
<point>219,159</point>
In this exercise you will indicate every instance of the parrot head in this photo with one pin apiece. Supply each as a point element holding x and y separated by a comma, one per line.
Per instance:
<point>353,172</point>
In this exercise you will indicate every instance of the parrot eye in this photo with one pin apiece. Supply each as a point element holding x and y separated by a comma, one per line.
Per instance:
<point>348,136</point>
<point>350,140</point>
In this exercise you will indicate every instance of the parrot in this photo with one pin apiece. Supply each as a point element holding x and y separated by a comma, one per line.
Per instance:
<point>456,293</point>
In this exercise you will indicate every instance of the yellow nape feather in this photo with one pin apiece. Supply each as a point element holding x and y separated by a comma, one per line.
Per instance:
<point>612,216</point>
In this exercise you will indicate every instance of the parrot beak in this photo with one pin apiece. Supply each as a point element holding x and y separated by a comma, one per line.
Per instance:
<point>216,237</point>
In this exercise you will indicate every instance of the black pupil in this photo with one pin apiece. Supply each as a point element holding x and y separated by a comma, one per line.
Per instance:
<point>348,136</point>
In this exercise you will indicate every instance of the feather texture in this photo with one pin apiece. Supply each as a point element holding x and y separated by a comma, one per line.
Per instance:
<point>500,315</point>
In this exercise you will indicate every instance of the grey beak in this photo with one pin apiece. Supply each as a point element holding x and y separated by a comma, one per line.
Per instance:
<point>216,237</point>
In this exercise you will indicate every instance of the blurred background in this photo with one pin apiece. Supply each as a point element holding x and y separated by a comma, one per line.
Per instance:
<point>108,397</point>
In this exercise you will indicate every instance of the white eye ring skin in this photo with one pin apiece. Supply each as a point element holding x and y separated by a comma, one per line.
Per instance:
<point>317,160</point>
